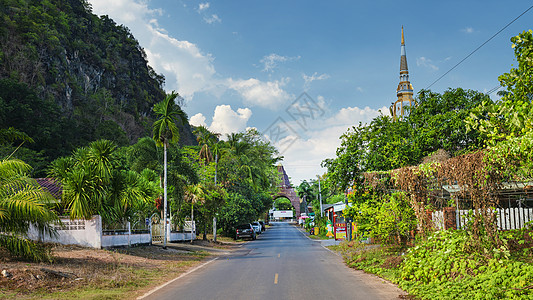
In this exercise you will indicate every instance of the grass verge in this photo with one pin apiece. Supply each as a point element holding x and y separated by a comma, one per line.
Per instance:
<point>448,265</point>
<point>96,274</point>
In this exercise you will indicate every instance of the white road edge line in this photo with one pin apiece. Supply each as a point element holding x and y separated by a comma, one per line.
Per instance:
<point>171,281</point>
<point>318,241</point>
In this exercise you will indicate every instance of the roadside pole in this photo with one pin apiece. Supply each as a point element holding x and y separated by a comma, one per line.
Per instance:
<point>215,217</point>
<point>320,197</point>
<point>348,222</point>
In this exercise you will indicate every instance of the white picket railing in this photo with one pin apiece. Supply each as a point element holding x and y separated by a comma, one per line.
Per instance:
<point>506,218</point>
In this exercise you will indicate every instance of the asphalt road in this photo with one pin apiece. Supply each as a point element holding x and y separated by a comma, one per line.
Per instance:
<point>281,264</point>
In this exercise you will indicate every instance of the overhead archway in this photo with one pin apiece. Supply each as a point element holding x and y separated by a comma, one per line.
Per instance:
<point>287,191</point>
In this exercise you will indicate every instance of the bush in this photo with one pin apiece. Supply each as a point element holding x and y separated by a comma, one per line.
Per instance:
<point>388,218</point>
<point>448,266</point>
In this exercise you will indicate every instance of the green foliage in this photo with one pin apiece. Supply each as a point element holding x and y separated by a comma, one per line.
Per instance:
<point>94,183</point>
<point>283,204</point>
<point>445,267</point>
<point>511,117</point>
<point>39,120</point>
<point>311,191</point>
<point>238,210</point>
<point>389,218</point>
<point>165,129</point>
<point>23,202</point>
<point>436,123</point>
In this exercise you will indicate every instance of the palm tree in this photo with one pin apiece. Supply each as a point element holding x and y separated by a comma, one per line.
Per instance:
<point>165,132</point>
<point>208,141</point>
<point>86,177</point>
<point>195,193</point>
<point>23,203</point>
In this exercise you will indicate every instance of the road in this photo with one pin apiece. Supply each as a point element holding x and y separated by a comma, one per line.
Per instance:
<point>281,264</point>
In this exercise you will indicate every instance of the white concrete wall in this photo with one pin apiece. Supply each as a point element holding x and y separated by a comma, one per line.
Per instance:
<point>180,236</point>
<point>85,233</point>
<point>88,233</point>
<point>122,240</point>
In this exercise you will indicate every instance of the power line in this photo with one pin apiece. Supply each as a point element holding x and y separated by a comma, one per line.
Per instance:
<point>494,89</point>
<point>479,47</point>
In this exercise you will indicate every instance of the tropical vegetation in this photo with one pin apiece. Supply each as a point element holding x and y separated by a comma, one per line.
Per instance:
<point>394,173</point>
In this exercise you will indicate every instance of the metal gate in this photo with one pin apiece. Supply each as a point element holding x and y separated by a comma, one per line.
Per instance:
<point>158,233</point>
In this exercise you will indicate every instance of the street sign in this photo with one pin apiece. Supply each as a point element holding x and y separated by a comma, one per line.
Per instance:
<point>340,228</point>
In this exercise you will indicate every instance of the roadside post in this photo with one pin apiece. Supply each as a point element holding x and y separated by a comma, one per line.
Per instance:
<point>348,221</point>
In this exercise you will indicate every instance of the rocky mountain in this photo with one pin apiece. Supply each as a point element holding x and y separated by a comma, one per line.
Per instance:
<point>94,70</point>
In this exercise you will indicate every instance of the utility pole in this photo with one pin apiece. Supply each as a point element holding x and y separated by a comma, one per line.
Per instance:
<point>165,197</point>
<point>215,216</point>
<point>348,221</point>
<point>320,197</point>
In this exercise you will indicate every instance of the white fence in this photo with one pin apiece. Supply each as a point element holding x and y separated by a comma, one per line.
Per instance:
<point>506,218</point>
<point>438,219</point>
<point>89,233</point>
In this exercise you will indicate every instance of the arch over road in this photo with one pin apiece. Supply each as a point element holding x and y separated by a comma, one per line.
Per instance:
<point>287,191</point>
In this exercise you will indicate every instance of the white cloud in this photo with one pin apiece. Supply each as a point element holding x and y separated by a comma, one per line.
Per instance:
<point>269,94</point>
<point>426,62</point>
<point>309,79</point>
<point>468,30</point>
<point>186,69</point>
<point>197,120</point>
<point>212,19</point>
<point>270,62</point>
<point>322,142</point>
<point>359,89</point>
<point>209,19</point>
<point>203,6</point>
<point>226,120</point>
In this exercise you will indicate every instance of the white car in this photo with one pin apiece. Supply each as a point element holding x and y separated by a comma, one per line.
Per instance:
<point>257,227</point>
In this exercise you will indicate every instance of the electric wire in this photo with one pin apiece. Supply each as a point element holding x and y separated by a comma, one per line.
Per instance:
<point>494,89</point>
<point>479,47</point>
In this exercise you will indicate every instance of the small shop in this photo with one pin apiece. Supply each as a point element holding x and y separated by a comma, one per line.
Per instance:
<point>336,222</point>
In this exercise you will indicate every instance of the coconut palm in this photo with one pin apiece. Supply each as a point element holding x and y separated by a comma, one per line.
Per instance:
<point>23,203</point>
<point>207,140</point>
<point>194,193</point>
<point>166,132</point>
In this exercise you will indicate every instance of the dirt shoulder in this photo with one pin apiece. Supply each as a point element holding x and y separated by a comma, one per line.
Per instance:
<point>88,273</point>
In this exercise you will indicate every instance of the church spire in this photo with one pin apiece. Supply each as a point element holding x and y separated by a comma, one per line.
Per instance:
<point>405,89</point>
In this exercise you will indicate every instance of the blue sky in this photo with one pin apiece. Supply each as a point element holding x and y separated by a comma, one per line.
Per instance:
<point>243,64</point>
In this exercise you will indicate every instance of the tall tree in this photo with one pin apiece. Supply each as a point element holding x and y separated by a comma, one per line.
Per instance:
<point>166,132</point>
<point>512,116</point>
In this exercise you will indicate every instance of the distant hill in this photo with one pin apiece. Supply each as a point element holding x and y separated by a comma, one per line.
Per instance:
<point>90,70</point>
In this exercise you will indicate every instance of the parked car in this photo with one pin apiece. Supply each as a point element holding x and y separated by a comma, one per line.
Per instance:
<point>263,225</point>
<point>245,231</point>
<point>257,227</point>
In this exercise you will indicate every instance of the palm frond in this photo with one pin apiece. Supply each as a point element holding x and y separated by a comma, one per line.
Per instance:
<point>12,167</point>
<point>25,248</point>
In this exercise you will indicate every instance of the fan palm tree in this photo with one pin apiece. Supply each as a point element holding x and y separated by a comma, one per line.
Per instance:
<point>166,132</point>
<point>23,203</point>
